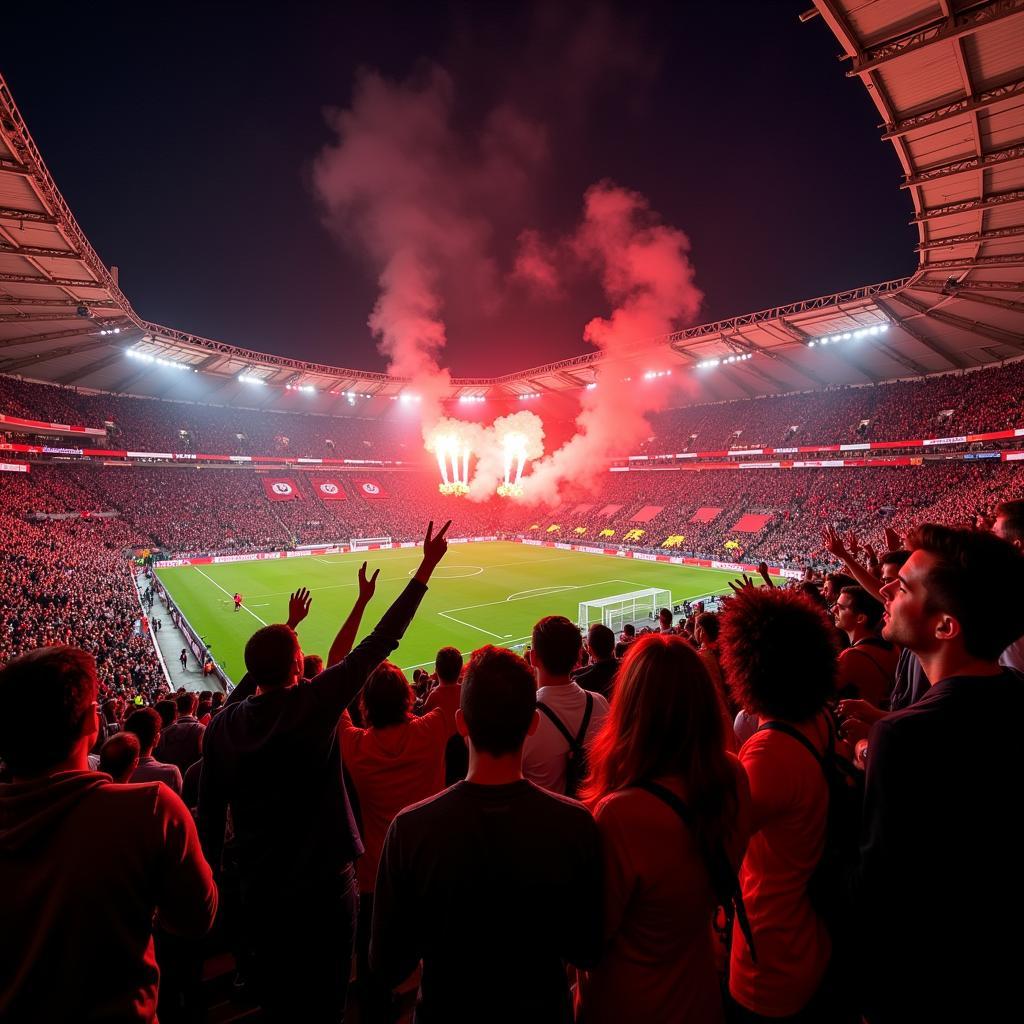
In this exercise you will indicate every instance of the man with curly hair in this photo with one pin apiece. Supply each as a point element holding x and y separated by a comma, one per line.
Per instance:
<point>940,848</point>
<point>780,660</point>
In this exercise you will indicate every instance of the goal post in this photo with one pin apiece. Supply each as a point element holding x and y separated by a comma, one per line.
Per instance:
<point>619,609</point>
<point>368,543</point>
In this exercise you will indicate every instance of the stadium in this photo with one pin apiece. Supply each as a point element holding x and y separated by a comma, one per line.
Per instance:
<point>164,495</point>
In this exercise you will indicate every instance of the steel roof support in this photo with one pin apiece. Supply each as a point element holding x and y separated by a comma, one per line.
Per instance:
<point>933,346</point>
<point>947,29</point>
<point>967,105</point>
<point>971,326</point>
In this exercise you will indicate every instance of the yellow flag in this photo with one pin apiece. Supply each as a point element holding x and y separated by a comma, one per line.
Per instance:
<point>580,530</point>
<point>675,541</point>
<point>732,545</point>
<point>554,528</point>
<point>633,535</point>
<point>607,533</point>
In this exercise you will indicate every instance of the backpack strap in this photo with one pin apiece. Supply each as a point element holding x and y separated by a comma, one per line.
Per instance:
<point>798,736</point>
<point>575,742</point>
<point>723,876</point>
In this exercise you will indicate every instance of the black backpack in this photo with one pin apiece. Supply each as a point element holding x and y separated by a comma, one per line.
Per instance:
<point>576,762</point>
<point>829,884</point>
<point>725,882</point>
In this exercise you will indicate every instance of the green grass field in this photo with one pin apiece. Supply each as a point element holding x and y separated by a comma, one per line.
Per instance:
<point>488,593</point>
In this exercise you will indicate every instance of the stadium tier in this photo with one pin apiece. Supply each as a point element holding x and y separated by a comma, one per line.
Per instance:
<point>714,623</point>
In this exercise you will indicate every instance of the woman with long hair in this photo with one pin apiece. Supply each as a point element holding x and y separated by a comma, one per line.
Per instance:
<point>666,730</point>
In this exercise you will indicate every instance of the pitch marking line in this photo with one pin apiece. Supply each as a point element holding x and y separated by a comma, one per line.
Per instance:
<point>399,579</point>
<point>515,597</point>
<point>223,591</point>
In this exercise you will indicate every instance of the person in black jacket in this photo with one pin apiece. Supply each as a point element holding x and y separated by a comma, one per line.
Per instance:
<point>940,851</point>
<point>599,675</point>
<point>272,755</point>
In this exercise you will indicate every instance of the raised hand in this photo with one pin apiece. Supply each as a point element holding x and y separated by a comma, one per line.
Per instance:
<point>893,541</point>
<point>762,569</point>
<point>367,586</point>
<point>298,606</point>
<point>435,546</point>
<point>737,586</point>
<point>853,544</point>
<point>833,544</point>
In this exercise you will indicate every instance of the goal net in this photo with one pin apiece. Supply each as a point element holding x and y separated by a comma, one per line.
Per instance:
<point>369,543</point>
<point>616,611</point>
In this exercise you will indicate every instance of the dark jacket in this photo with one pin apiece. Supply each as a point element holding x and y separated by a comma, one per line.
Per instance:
<point>276,759</point>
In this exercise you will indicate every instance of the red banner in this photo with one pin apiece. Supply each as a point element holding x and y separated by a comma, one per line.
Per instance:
<point>370,489</point>
<point>330,490</point>
<point>279,488</point>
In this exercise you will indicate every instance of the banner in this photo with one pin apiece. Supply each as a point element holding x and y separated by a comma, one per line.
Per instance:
<point>330,490</point>
<point>14,467</point>
<point>370,488</point>
<point>279,488</point>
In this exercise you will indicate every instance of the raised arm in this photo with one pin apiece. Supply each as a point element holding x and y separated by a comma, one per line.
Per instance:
<point>337,685</point>
<point>347,634</point>
<point>834,545</point>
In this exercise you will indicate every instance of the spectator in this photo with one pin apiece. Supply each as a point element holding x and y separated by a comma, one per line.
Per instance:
<point>145,724</point>
<point>705,636</point>
<point>867,668</point>
<point>665,728</point>
<point>665,621</point>
<point>181,743</point>
<point>167,710</point>
<point>492,849</point>
<point>312,666</point>
<point>446,696</point>
<point>274,759</point>
<point>570,716</point>
<point>937,781</point>
<point>599,675</point>
<point>1009,525</point>
<point>762,627</point>
<point>119,756</point>
<point>397,761</point>
<point>85,864</point>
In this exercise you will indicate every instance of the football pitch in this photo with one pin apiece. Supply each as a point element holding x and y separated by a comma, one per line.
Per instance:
<point>486,593</point>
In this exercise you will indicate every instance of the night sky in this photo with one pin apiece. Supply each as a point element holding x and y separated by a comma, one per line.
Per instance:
<point>185,144</point>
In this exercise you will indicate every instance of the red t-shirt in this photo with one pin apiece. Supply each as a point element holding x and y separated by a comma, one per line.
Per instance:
<point>445,696</point>
<point>659,961</point>
<point>391,768</point>
<point>789,808</point>
<point>869,669</point>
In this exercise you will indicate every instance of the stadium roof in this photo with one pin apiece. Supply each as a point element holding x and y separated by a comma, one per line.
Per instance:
<point>947,77</point>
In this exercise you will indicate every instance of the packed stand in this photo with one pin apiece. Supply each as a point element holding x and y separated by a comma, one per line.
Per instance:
<point>621,852</point>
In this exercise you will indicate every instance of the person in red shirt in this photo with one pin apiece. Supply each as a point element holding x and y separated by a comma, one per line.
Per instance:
<point>86,865</point>
<point>397,761</point>
<point>867,668</point>
<point>780,660</point>
<point>238,601</point>
<point>665,727</point>
<point>446,696</point>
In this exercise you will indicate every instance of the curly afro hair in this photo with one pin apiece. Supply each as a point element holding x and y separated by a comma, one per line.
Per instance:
<point>778,652</point>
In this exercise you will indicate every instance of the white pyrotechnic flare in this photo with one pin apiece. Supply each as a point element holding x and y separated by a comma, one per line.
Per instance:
<point>442,446</point>
<point>514,446</point>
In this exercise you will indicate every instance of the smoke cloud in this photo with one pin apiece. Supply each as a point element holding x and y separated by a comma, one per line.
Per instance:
<point>646,273</point>
<point>408,189</point>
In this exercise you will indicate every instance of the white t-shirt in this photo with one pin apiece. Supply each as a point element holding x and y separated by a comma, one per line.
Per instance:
<point>546,751</point>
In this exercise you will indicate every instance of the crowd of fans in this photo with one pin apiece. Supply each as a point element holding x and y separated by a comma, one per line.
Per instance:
<point>190,511</point>
<point>66,582</point>
<point>612,845</point>
<point>946,406</point>
<point>943,406</point>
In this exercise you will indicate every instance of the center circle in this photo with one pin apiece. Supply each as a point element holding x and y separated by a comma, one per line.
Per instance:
<point>449,572</point>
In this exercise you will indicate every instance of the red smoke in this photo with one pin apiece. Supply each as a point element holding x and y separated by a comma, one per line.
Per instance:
<point>646,272</point>
<point>403,185</point>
